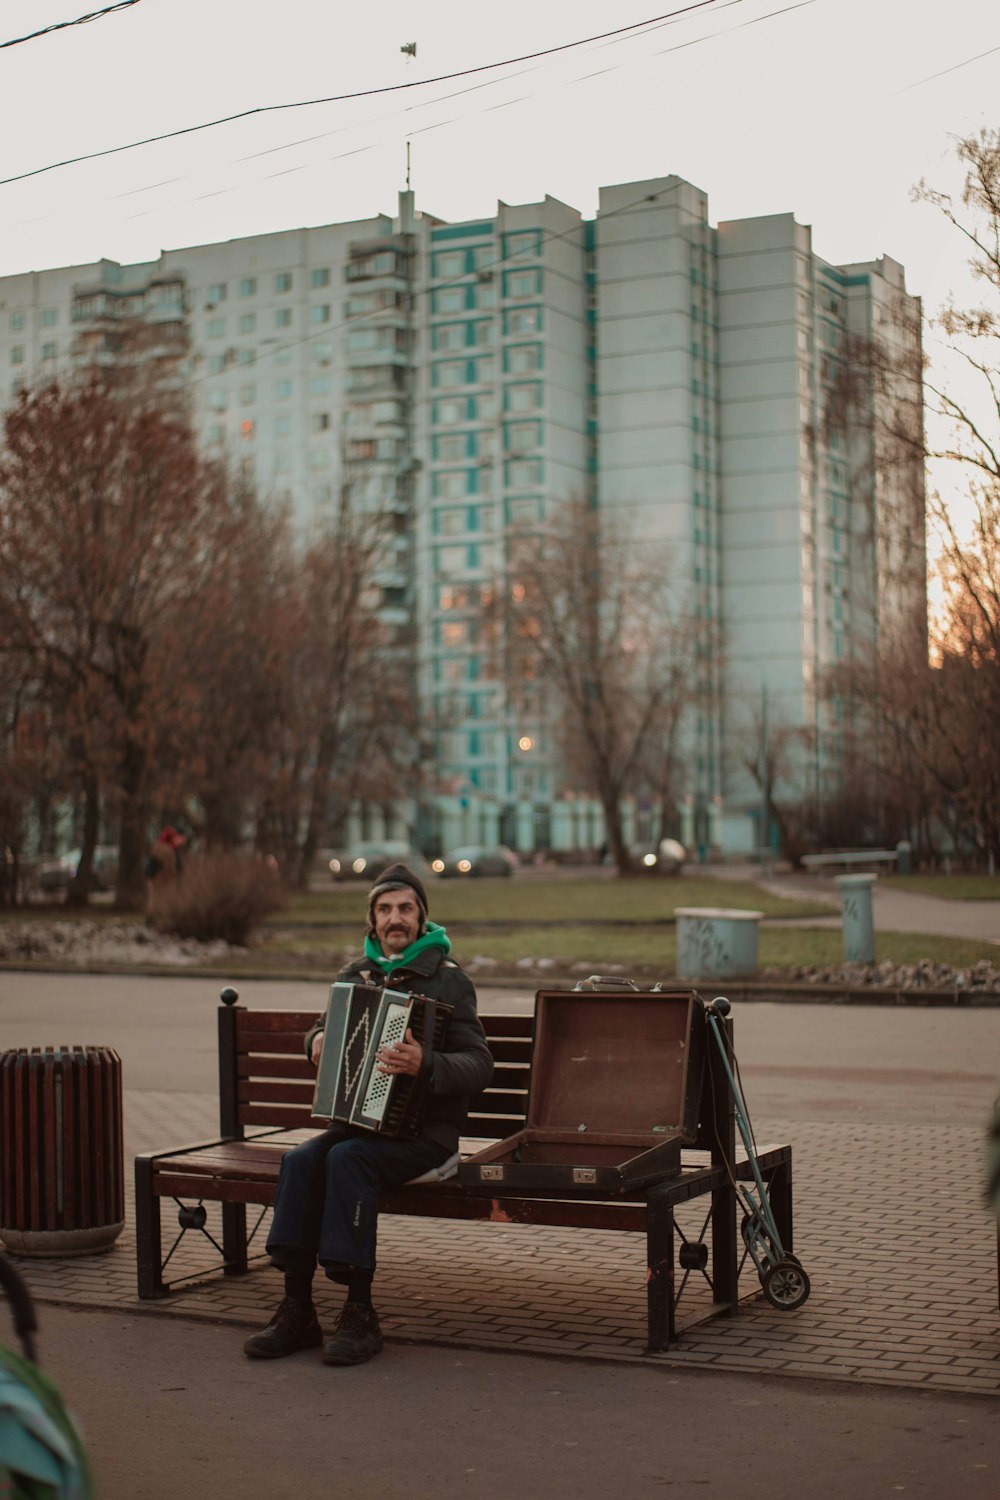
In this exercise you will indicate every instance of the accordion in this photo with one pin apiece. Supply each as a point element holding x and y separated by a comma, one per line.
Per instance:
<point>350,1087</point>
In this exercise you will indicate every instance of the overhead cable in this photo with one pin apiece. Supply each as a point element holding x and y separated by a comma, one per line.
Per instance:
<point>392,88</point>
<point>94,15</point>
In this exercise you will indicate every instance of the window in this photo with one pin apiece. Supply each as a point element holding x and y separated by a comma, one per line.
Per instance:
<point>449,263</point>
<point>16,322</point>
<point>484,331</point>
<point>451,484</point>
<point>319,458</point>
<point>319,421</point>
<point>320,313</point>
<point>522,472</point>
<point>448,336</point>
<point>247,429</point>
<point>248,322</point>
<point>451,373</point>
<point>283,317</point>
<point>447,412</point>
<point>525,512</point>
<point>17,354</point>
<point>216,436</point>
<point>521,359</point>
<point>450,300</point>
<point>50,317</point>
<point>248,356</point>
<point>248,286</point>
<point>523,436</point>
<point>216,293</point>
<point>282,390</point>
<point>451,559</point>
<point>216,364</point>
<point>282,426</point>
<point>248,394</point>
<point>451,522</point>
<point>522,320</point>
<point>454,633</point>
<point>320,276</point>
<point>483,256</point>
<point>319,385</point>
<point>525,244</point>
<point>522,283</point>
<point>283,281</point>
<point>450,449</point>
<point>282,461</point>
<point>218,400</point>
<point>525,397</point>
<point>216,328</point>
<point>49,350</point>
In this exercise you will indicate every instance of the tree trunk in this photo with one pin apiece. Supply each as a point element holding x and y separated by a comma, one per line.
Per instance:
<point>78,893</point>
<point>134,835</point>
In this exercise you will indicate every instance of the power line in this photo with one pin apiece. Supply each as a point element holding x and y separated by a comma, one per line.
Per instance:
<point>94,15</point>
<point>261,109</point>
<point>953,69</point>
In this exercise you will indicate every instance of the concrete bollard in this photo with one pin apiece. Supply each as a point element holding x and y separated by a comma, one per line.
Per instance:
<point>859,923</point>
<point>713,943</point>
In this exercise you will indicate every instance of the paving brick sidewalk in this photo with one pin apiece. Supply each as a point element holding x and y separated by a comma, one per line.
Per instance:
<point>889,1224</point>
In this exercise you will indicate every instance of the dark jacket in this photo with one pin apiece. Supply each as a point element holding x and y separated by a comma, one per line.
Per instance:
<point>463,1064</point>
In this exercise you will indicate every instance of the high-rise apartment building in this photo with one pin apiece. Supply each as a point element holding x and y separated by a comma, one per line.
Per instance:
<point>463,379</point>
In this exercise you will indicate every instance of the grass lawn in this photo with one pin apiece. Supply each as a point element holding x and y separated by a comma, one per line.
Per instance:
<point>561,899</point>
<point>950,887</point>
<point>646,946</point>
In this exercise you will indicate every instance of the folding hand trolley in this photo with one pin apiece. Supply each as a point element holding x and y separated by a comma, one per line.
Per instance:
<point>785,1283</point>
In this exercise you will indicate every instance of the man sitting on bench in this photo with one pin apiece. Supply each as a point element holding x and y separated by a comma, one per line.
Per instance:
<point>326,1203</point>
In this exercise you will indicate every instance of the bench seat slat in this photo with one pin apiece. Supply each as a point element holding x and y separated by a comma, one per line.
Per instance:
<point>253,1065</point>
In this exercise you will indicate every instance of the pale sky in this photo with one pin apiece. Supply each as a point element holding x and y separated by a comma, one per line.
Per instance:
<point>820,110</point>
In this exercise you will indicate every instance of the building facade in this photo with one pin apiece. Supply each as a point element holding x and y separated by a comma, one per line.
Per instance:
<point>464,380</point>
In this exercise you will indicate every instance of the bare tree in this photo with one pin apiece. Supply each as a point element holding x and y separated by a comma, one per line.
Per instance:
<point>589,616</point>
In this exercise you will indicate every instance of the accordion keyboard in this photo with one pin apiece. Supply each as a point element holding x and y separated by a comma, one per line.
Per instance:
<point>379,1084</point>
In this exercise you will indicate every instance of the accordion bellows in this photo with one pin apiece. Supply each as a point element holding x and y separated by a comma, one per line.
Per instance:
<point>350,1088</point>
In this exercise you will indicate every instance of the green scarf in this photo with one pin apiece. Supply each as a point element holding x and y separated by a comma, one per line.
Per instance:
<point>434,937</point>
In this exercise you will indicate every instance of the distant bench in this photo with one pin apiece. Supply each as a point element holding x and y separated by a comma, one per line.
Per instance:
<point>850,858</point>
<point>265,1096</point>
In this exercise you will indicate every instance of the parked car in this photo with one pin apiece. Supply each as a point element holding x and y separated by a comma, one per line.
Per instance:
<point>477,859</point>
<point>56,874</point>
<point>665,858</point>
<point>367,861</point>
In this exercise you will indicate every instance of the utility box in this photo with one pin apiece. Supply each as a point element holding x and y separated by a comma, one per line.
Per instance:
<point>62,1186</point>
<point>715,943</point>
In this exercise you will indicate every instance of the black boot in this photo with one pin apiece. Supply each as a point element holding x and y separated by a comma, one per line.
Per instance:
<point>294,1326</point>
<point>357,1338</point>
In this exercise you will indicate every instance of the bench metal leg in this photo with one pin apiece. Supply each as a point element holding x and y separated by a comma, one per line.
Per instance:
<point>661,1327</point>
<point>779,1183</point>
<point>725,1257</point>
<point>148,1246</point>
<point>234,1238</point>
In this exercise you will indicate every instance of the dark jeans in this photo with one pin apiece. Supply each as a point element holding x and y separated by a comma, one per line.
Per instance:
<point>326,1203</point>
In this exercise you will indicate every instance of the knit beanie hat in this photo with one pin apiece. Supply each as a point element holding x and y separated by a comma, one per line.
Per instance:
<point>397,878</point>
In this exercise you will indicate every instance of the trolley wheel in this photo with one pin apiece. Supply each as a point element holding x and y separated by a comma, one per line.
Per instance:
<point>786,1285</point>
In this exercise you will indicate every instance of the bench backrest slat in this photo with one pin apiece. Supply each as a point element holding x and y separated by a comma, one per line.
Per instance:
<point>272,1080</point>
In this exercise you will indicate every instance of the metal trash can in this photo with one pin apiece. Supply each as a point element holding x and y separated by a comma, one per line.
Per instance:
<point>62,1181</point>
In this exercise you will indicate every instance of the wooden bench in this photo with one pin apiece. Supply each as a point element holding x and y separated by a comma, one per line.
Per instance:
<point>850,858</point>
<point>265,1098</point>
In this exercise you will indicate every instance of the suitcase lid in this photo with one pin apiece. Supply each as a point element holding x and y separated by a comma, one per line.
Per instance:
<point>623,1062</point>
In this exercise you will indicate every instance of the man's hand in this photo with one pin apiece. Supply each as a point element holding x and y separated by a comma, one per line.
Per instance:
<point>403,1057</point>
<point>316,1051</point>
